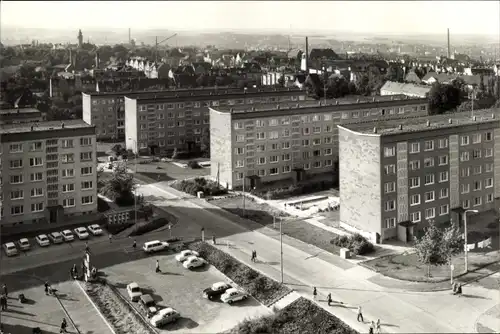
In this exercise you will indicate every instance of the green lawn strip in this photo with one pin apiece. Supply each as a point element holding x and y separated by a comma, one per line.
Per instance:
<point>301,316</point>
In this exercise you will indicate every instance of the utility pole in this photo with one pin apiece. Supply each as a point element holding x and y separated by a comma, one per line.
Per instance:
<point>281,248</point>
<point>244,197</point>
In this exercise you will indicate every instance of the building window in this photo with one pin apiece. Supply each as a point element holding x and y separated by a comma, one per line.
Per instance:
<point>16,148</point>
<point>68,173</point>
<point>67,143</point>
<point>68,158</point>
<point>465,188</point>
<point>389,187</point>
<point>273,135</point>
<point>464,156</point>
<point>477,170</point>
<point>261,135</point>
<point>488,183</point>
<point>415,199</point>
<point>390,205</point>
<point>429,179</point>
<point>16,194</point>
<point>488,152</point>
<point>429,162</point>
<point>16,210</point>
<point>444,209</point>
<point>36,177</point>
<point>476,154</point>
<point>488,168</point>
<point>477,186</point>
<point>261,161</point>
<point>273,122</point>
<point>430,213</point>
<point>390,223</point>
<point>465,172</point>
<point>239,176</point>
<point>68,202</point>
<point>87,200</point>
<point>414,147</point>
<point>36,146</point>
<point>316,141</point>
<point>286,157</point>
<point>414,164</point>
<point>328,151</point>
<point>86,156</point>
<point>36,207</point>
<point>240,163</point>
<point>16,179</point>
<point>429,145</point>
<point>18,163</point>
<point>260,123</point>
<point>327,140</point>
<point>86,141</point>
<point>261,172</point>
<point>464,140</point>
<point>285,121</point>
<point>328,163</point>
<point>414,182</point>
<point>443,193</point>
<point>238,125</point>
<point>443,176</point>
<point>261,148</point>
<point>273,171</point>
<point>443,160</point>
<point>273,159</point>
<point>429,196</point>
<point>443,143</point>
<point>478,201</point>
<point>488,136</point>
<point>286,133</point>
<point>239,150</point>
<point>489,198</point>
<point>307,166</point>
<point>285,145</point>
<point>317,164</point>
<point>240,138</point>
<point>36,192</point>
<point>317,129</point>
<point>389,169</point>
<point>306,131</point>
<point>86,171</point>
<point>476,138</point>
<point>86,185</point>
<point>287,169</point>
<point>389,151</point>
<point>67,188</point>
<point>415,217</point>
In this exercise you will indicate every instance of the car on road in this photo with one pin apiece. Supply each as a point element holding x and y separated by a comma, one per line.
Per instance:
<point>56,238</point>
<point>67,235</point>
<point>134,291</point>
<point>42,240</point>
<point>193,262</point>
<point>154,246</point>
<point>95,229</point>
<point>148,304</point>
<point>165,316</point>
<point>216,290</point>
<point>182,256</point>
<point>81,233</point>
<point>24,244</point>
<point>10,249</point>
<point>233,295</point>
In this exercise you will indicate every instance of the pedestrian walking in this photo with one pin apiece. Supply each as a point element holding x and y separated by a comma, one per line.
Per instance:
<point>377,326</point>
<point>329,298</point>
<point>360,314</point>
<point>252,258</point>
<point>372,326</point>
<point>109,236</point>
<point>255,256</point>
<point>315,293</point>
<point>3,302</point>
<point>134,245</point>
<point>213,238</point>
<point>157,266</point>
<point>64,324</point>
<point>46,288</point>
<point>4,289</point>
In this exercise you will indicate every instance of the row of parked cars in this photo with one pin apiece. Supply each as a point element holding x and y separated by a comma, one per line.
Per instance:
<point>44,240</point>
<point>189,259</point>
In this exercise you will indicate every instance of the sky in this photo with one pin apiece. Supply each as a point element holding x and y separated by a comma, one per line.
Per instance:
<point>392,17</point>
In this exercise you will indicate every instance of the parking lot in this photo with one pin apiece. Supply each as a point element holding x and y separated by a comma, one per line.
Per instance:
<point>181,289</point>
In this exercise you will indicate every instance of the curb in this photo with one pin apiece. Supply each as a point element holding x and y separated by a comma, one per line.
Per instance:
<point>96,308</point>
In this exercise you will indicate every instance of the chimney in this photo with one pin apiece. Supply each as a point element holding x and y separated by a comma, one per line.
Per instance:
<point>449,52</point>
<point>129,36</point>
<point>307,55</point>
<point>375,130</point>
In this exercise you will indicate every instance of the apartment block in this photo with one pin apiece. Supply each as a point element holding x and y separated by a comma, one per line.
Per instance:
<point>158,125</point>
<point>396,176</point>
<point>48,171</point>
<point>107,110</point>
<point>264,144</point>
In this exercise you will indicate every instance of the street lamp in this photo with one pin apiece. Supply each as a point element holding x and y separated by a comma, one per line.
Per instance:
<point>281,248</point>
<point>465,237</point>
<point>135,175</point>
<point>244,197</point>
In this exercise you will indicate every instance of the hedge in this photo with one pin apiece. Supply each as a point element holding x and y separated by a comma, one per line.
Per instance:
<point>117,228</point>
<point>149,226</point>
<point>192,187</point>
<point>301,316</point>
<point>293,190</point>
<point>264,289</point>
<point>356,243</point>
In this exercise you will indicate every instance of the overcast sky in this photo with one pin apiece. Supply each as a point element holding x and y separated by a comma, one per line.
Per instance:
<point>462,17</point>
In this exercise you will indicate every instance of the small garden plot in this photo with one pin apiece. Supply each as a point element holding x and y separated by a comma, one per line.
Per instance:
<point>118,313</point>
<point>262,288</point>
<point>301,316</point>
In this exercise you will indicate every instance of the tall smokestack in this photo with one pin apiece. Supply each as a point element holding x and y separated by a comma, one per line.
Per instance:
<point>129,36</point>
<point>307,55</point>
<point>449,48</point>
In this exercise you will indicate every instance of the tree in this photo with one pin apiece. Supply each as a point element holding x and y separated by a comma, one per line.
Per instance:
<point>120,187</point>
<point>336,87</point>
<point>453,242</point>
<point>205,144</point>
<point>370,82</point>
<point>482,86</point>
<point>443,98</point>
<point>429,248</point>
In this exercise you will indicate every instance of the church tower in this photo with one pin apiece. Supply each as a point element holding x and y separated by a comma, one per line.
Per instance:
<point>80,38</point>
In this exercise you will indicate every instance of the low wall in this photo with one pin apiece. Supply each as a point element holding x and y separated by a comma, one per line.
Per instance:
<point>371,236</point>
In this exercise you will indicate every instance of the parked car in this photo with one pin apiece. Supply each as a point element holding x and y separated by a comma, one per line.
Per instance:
<point>193,262</point>
<point>42,240</point>
<point>56,238</point>
<point>182,256</point>
<point>148,304</point>
<point>10,249</point>
<point>233,295</point>
<point>81,233</point>
<point>67,235</point>
<point>216,290</point>
<point>24,244</point>
<point>134,291</point>
<point>95,229</point>
<point>154,246</point>
<point>165,316</point>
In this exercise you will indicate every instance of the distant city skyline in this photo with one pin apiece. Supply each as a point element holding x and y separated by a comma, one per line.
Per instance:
<point>371,17</point>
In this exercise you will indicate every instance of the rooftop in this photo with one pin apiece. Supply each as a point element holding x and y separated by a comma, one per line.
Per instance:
<point>43,126</point>
<point>418,124</point>
<point>18,111</point>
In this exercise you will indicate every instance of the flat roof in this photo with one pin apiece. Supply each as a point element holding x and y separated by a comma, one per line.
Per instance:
<point>44,126</point>
<point>18,111</point>
<point>419,124</point>
<point>316,106</point>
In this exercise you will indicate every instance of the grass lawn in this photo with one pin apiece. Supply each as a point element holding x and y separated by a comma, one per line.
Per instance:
<point>298,229</point>
<point>407,267</point>
<point>157,177</point>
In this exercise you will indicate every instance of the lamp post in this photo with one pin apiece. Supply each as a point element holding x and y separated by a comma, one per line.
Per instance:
<point>281,249</point>
<point>466,269</point>
<point>135,175</point>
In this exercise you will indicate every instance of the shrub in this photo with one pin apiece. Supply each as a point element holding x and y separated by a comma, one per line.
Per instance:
<point>356,243</point>
<point>117,228</point>
<point>262,288</point>
<point>193,164</point>
<point>102,205</point>
<point>208,187</point>
<point>146,227</point>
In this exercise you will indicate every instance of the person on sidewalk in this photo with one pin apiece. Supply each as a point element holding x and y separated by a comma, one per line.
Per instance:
<point>255,256</point>
<point>372,327</point>
<point>3,302</point>
<point>252,258</point>
<point>360,314</point>
<point>134,245</point>
<point>110,238</point>
<point>315,293</point>
<point>46,285</point>
<point>377,326</point>
<point>213,239</point>
<point>64,325</point>
<point>157,270</point>
<point>329,299</point>
<point>4,289</point>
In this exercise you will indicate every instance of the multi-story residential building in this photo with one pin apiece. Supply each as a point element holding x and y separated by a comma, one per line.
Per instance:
<point>159,125</point>
<point>107,110</point>
<point>21,115</point>
<point>48,171</point>
<point>397,175</point>
<point>264,144</point>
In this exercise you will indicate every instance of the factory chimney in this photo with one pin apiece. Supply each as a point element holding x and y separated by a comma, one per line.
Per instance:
<point>307,55</point>
<point>449,47</point>
<point>129,36</point>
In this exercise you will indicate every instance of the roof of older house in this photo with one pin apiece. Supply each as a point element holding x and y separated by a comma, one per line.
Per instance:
<point>419,124</point>
<point>18,111</point>
<point>405,88</point>
<point>43,126</point>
